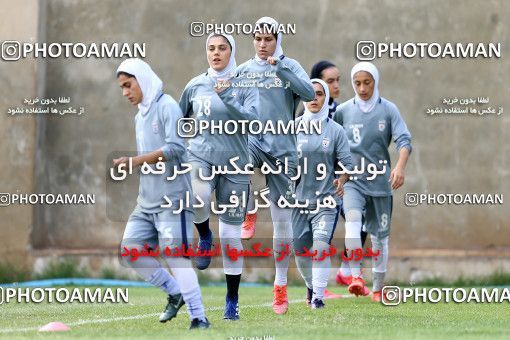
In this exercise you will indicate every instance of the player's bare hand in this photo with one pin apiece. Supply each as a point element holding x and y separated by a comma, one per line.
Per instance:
<point>221,85</point>
<point>397,178</point>
<point>339,186</point>
<point>272,60</point>
<point>121,160</point>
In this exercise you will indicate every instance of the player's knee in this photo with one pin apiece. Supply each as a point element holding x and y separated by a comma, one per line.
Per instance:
<point>282,231</point>
<point>230,232</point>
<point>320,246</point>
<point>202,190</point>
<point>179,264</point>
<point>301,245</point>
<point>379,243</point>
<point>353,215</point>
<point>376,244</point>
<point>281,217</point>
<point>136,246</point>
<point>353,224</point>
<point>202,194</point>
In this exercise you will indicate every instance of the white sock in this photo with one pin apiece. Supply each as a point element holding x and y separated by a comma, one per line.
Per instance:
<point>231,234</point>
<point>379,265</point>
<point>345,268</point>
<point>203,191</point>
<point>187,279</point>
<point>282,236</point>
<point>320,269</point>
<point>353,239</point>
<point>250,205</point>
<point>318,293</point>
<point>161,278</point>
<point>153,272</point>
<point>304,265</point>
<point>378,283</point>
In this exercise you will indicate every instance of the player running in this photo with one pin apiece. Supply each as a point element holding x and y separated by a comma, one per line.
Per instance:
<point>278,100</point>
<point>371,122</point>
<point>313,227</point>
<point>329,73</point>
<point>213,96</point>
<point>151,224</point>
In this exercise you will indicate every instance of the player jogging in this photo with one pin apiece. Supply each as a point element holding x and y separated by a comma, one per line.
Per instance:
<point>149,223</point>
<point>371,122</point>
<point>313,226</point>
<point>212,96</point>
<point>328,72</point>
<point>286,84</point>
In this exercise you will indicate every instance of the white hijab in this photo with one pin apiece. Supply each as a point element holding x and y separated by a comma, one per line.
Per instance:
<point>278,51</point>
<point>149,82</point>
<point>324,111</point>
<point>368,105</point>
<point>230,70</point>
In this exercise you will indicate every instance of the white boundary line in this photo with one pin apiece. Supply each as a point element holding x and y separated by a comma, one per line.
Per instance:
<point>143,316</point>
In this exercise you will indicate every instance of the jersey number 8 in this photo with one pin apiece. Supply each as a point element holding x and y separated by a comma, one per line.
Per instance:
<point>356,135</point>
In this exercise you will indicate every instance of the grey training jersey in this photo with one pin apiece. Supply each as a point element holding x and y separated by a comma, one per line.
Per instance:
<point>277,102</point>
<point>370,135</point>
<point>157,129</point>
<point>233,103</point>
<point>328,148</point>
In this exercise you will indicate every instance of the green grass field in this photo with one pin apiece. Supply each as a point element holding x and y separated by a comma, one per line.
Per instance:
<point>345,318</point>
